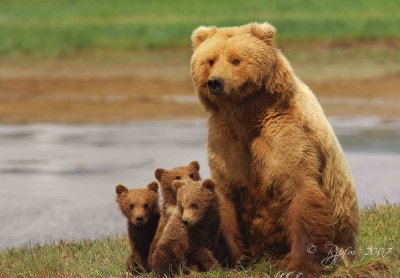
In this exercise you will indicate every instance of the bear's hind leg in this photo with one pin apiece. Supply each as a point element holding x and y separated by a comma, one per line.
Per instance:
<point>346,238</point>
<point>310,230</point>
<point>205,258</point>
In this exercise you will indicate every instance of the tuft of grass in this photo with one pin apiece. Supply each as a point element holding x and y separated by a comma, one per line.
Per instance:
<point>49,28</point>
<point>85,258</point>
<point>378,255</point>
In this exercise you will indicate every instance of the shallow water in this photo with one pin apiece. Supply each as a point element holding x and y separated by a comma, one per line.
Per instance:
<point>57,181</point>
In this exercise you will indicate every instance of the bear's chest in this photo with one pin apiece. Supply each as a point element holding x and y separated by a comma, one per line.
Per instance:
<point>230,155</point>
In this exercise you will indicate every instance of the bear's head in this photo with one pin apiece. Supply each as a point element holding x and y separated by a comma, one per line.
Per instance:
<point>138,205</point>
<point>234,63</point>
<point>196,200</point>
<point>183,173</point>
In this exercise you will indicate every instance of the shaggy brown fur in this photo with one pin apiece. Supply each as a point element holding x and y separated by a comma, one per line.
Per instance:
<point>140,206</point>
<point>271,149</point>
<point>169,192</point>
<point>211,224</point>
<point>170,252</point>
<point>166,177</point>
<point>209,236</point>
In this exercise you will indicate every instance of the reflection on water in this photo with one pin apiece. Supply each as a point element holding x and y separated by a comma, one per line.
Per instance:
<point>57,181</point>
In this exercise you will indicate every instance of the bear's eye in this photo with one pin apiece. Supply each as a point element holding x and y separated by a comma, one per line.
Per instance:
<point>194,206</point>
<point>236,62</point>
<point>132,206</point>
<point>178,177</point>
<point>191,176</point>
<point>146,205</point>
<point>211,62</point>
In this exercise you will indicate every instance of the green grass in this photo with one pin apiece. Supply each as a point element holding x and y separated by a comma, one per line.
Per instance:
<point>48,28</point>
<point>380,228</point>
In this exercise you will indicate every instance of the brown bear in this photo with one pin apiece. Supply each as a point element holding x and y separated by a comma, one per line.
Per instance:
<point>170,255</point>
<point>211,224</point>
<point>166,177</point>
<point>201,234</point>
<point>271,149</point>
<point>140,206</point>
<point>169,191</point>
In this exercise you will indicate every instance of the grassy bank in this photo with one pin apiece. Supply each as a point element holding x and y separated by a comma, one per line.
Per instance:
<point>380,231</point>
<point>49,28</point>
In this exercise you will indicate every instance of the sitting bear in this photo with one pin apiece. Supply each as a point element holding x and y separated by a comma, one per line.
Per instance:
<point>169,191</point>
<point>140,207</point>
<point>201,234</point>
<point>166,177</point>
<point>210,220</point>
<point>271,149</point>
<point>170,255</point>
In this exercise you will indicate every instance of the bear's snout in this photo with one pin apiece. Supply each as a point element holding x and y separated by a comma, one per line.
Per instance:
<point>215,85</point>
<point>185,221</point>
<point>140,219</point>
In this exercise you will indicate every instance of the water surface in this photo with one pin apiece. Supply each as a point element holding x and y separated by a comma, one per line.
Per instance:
<point>57,181</point>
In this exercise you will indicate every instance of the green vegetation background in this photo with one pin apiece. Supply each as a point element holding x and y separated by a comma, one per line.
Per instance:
<point>47,28</point>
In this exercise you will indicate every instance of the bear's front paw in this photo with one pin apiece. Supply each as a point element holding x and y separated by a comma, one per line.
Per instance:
<point>242,261</point>
<point>297,268</point>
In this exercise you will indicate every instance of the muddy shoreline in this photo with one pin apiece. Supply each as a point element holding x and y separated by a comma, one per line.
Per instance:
<point>348,80</point>
<point>124,99</point>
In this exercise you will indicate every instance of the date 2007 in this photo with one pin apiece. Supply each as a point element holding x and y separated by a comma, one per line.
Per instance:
<point>374,251</point>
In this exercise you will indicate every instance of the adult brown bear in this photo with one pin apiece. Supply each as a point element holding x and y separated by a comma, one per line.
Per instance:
<point>271,148</point>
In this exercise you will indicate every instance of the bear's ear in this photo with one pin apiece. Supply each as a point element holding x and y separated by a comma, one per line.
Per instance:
<point>153,186</point>
<point>202,33</point>
<point>209,185</point>
<point>280,82</point>
<point>195,164</point>
<point>264,31</point>
<point>159,173</point>
<point>119,189</point>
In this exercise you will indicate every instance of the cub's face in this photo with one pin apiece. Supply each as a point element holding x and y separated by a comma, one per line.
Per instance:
<point>195,200</point>
<point>138,205</point>
<point>183,173</point>
<point>232,63</point>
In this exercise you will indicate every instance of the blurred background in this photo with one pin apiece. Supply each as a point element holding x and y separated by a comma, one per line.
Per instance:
<point>95,93</point>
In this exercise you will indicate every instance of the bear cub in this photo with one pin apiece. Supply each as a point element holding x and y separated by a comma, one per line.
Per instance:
<point>140,207</point>
<point>166,177</point>
<point>169,191</point>
<point>211,225</point>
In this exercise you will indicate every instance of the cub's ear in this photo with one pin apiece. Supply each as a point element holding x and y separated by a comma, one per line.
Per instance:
<point>195,164</point>
<point>153,186</point>
<point>209,185</point>
<point>264,31</point>
<point>159,173</point>
<point>202,33</point>
<point>178,184</point>
<point>119,189</point>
